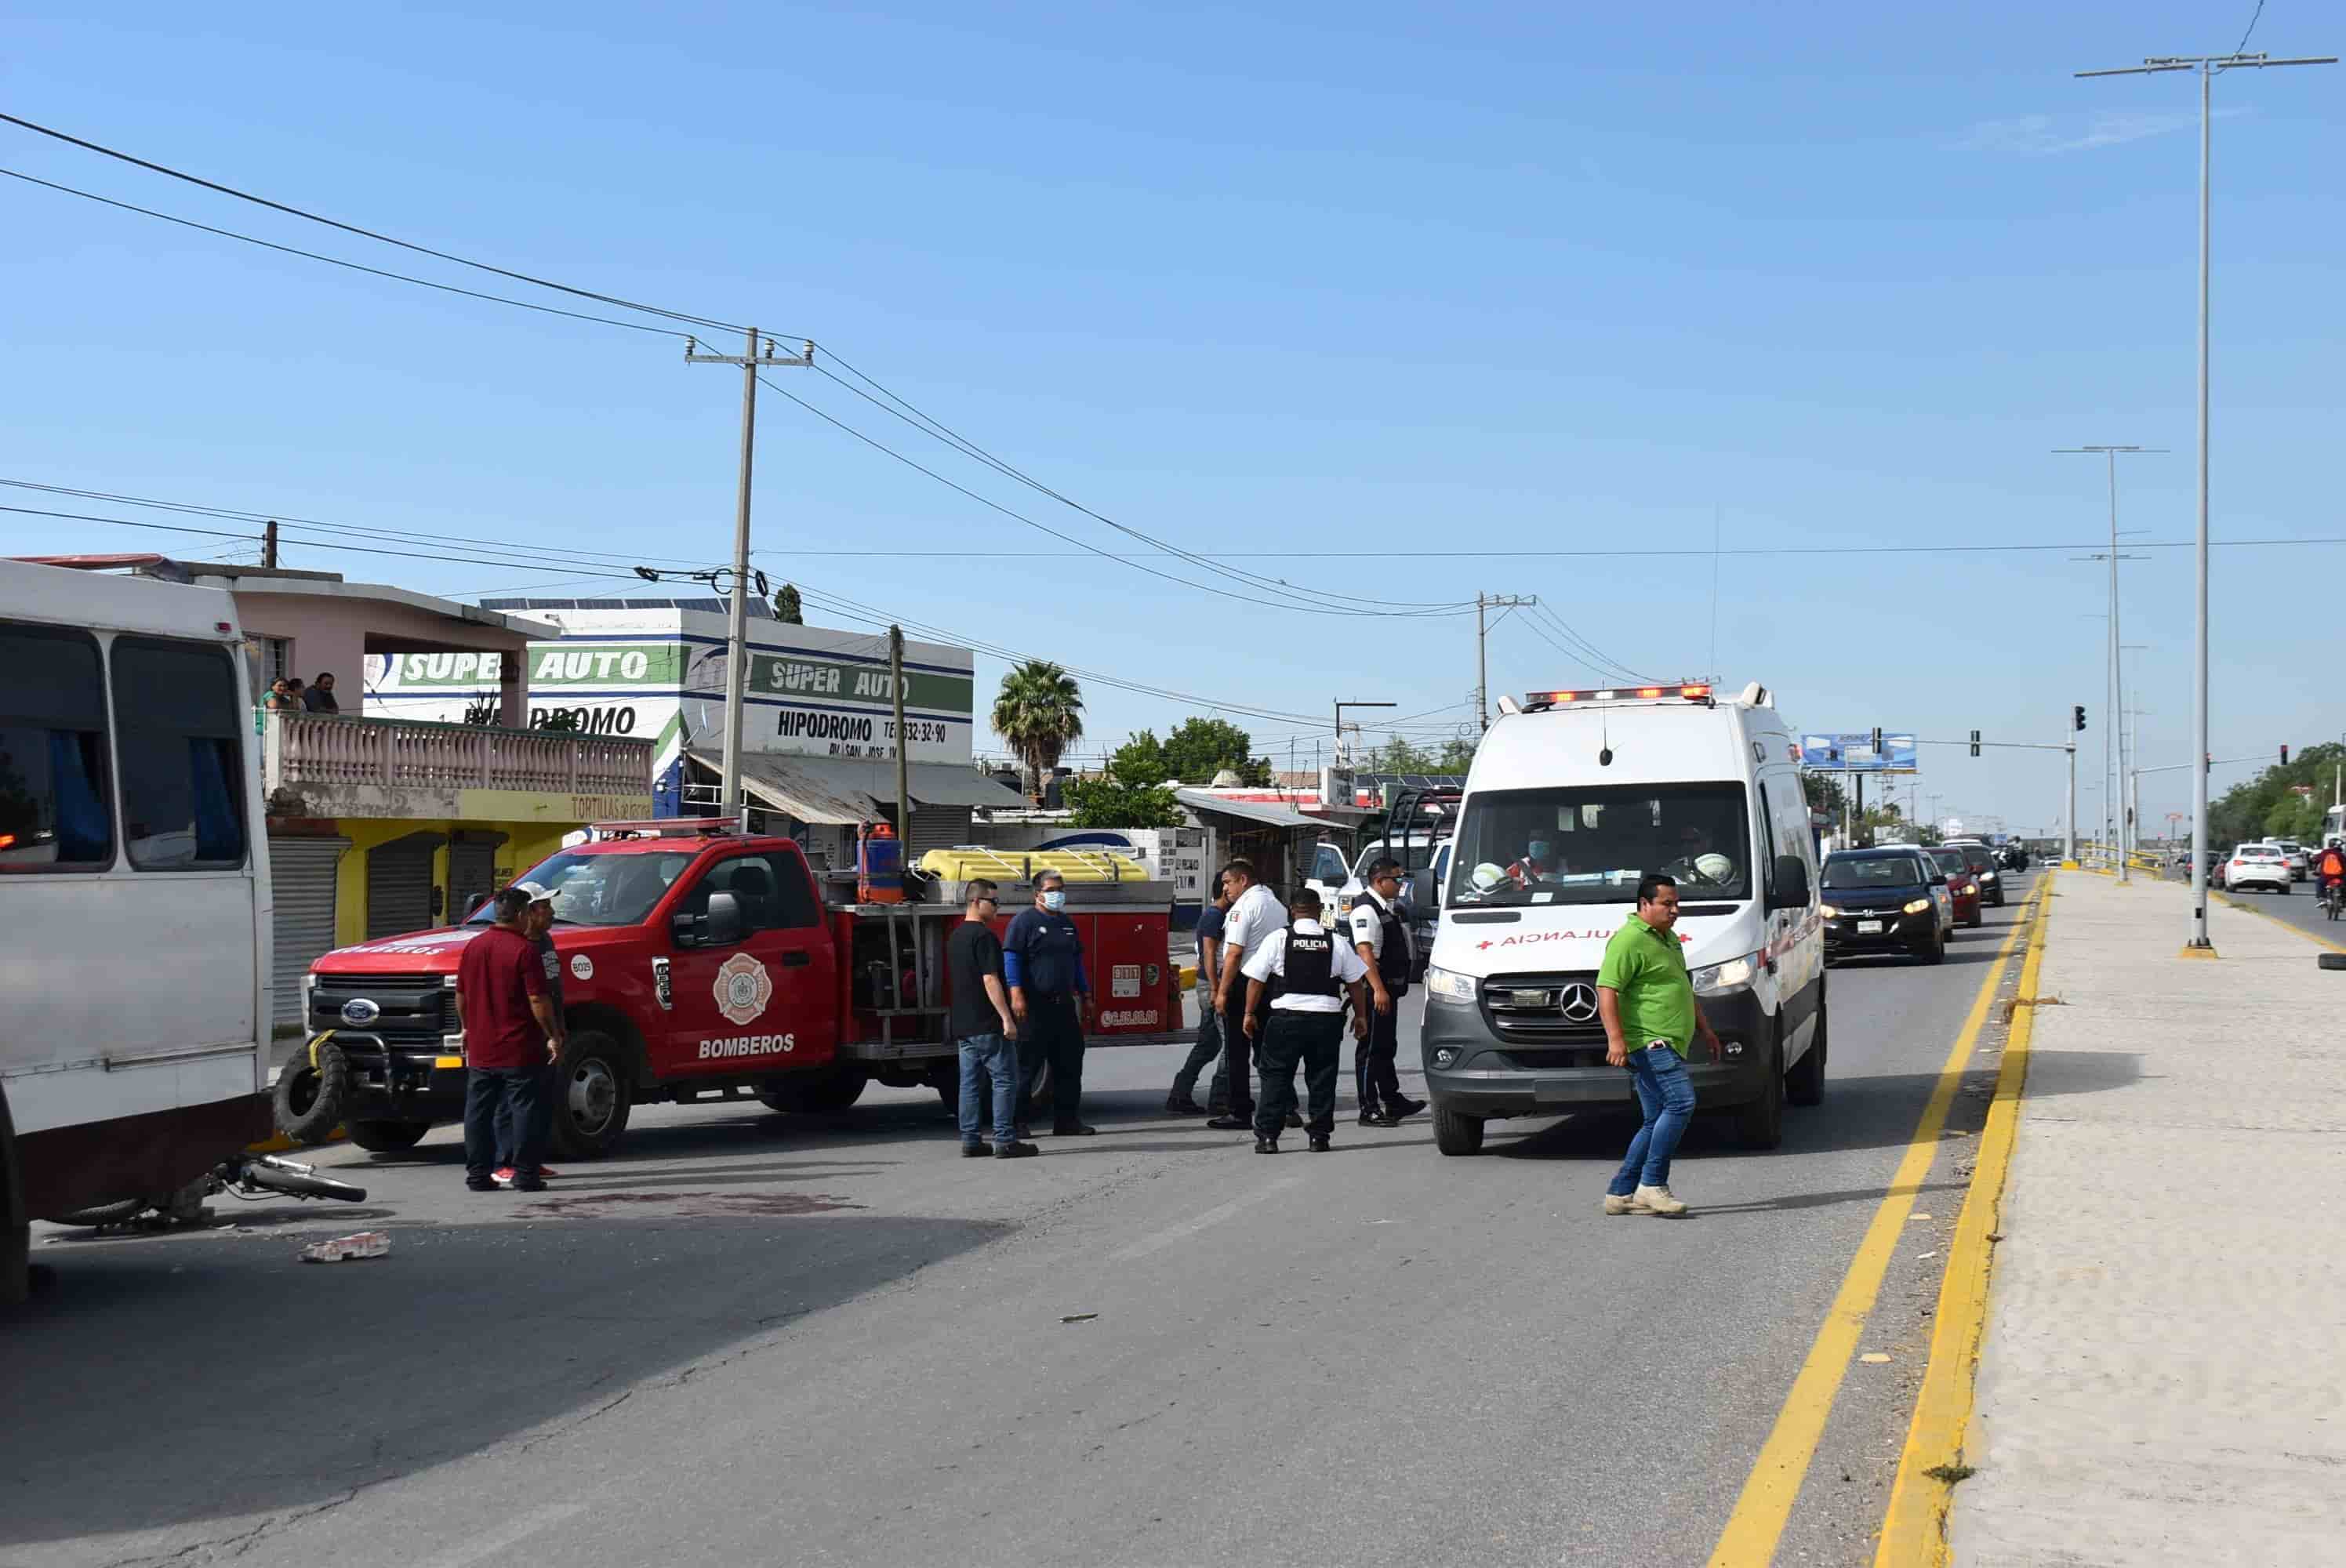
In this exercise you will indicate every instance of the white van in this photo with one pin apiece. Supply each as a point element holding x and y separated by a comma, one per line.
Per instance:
<point>1573,798</point>
<point>134,896</point>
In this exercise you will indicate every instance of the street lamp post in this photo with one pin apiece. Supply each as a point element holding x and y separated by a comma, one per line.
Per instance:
<point>2113,739</point>
<point>2208,65</point>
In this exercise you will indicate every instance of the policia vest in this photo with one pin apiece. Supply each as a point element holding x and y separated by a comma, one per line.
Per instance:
<point>1393,950</point>
<point>1309,968</point>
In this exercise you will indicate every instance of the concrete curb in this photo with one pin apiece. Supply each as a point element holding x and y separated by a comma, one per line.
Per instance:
<point>1914,1527</point>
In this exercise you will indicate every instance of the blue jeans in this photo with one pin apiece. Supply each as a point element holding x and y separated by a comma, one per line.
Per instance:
<point>495,1095</point>
<point>1667,1095</point>
<point>988,1058</point>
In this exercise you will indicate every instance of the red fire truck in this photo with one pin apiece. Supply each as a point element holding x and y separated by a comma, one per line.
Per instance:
<point>697,964</point>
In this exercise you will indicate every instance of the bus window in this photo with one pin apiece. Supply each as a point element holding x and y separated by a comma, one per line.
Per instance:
<point>53,813</point>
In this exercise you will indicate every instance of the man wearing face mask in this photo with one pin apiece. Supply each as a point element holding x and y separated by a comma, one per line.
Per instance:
<point>1538,864</point>
<point>1043,959</point>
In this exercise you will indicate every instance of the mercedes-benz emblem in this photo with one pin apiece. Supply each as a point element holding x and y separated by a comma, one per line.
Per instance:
<point>1579,1003</point>
<point>361,1011</point>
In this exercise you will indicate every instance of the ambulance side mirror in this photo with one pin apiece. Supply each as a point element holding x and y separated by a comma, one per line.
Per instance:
<point>1424,891</point>
<point>1792,883</point>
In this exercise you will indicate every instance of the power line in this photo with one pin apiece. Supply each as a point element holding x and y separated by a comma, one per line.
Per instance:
<point>1604,660</point>
<point>836,603</point>
<point>292,211</point>
<point>2253,20</point>
<point>1298,605</point>
<point>911,415</point>
<point>338,261</point>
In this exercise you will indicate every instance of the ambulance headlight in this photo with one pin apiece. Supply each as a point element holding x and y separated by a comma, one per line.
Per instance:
<point>1450,985</point>
<point>1719,979</point>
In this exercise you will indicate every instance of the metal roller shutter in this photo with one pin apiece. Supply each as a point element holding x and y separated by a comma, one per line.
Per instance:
<point>937,828</point>
<point>472,871</point>
<point>302,881</point>
<point>399,885</point>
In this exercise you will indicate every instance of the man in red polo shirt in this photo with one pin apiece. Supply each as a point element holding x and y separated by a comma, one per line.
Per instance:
<point>509,1026</point>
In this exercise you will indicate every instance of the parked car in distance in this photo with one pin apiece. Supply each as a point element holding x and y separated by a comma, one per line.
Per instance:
<point>1982,862</point>
<point>2256,866</point>
<point>1962,887</point>
<point>1885,900</point>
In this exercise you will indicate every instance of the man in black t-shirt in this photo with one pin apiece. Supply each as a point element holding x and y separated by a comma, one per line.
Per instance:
<point>980,1023</point>
<point>1182,1102</point>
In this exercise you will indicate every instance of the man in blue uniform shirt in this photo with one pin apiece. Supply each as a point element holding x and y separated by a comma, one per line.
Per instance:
<point>1043,959</point>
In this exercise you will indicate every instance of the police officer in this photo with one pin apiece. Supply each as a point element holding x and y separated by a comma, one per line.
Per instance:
<point>1043,960</point>
<point>1382,939</point>
<point>1305,971</point>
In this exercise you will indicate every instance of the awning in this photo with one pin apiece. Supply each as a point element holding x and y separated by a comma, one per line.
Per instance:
<point>846,790</point>
<point>802,786</point>
<point>948,784</point>
<point>1261,811</point>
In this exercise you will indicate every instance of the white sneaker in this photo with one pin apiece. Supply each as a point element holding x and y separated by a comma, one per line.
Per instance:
<point>1616,1204</point>
<point>1658,1200</point>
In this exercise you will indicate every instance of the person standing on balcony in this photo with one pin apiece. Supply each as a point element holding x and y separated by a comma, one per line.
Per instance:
<point>319,696</point>
<point>280,696</point>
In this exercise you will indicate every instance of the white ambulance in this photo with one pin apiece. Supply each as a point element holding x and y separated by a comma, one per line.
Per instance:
<point>1574,797</point>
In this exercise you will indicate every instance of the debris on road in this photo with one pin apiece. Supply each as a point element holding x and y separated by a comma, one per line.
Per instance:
<point>1874,1358</point>
<point>365,1244</point>
<point>1079,1317</point>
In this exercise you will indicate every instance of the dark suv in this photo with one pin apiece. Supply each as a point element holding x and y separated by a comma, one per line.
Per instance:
<point>1888,900</point>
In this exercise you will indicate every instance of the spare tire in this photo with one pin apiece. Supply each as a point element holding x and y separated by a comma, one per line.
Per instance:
<point>309,1100</point>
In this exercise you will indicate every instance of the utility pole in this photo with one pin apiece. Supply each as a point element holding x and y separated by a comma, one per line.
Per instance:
<point>269,545</point>
<point>733,802</point>
<point>2207,67</point>
<point>1482,664</point>
<point>2114,740</point>
<point>1339,753</point>
<point>903,770</point>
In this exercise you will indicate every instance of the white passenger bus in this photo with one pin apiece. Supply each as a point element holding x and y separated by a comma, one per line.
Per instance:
<point>134,896</point>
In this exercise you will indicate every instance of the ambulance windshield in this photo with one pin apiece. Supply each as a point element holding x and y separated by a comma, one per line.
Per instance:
<point>1522,848</point>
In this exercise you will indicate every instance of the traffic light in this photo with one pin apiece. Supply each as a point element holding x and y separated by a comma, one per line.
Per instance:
<point>2080,712</point>
<point>1975,743</point>
<point>1876,740</point>
<point>2284,756</point>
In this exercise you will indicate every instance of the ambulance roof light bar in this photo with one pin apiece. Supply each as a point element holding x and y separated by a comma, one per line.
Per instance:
<point>1689,691</point>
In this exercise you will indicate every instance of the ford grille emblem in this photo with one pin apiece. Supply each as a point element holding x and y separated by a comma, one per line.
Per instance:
<point>1579,1003</point>
<point>361,1011</point>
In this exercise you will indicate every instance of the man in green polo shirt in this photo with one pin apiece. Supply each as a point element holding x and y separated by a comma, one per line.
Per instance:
<point>1647,1004</point>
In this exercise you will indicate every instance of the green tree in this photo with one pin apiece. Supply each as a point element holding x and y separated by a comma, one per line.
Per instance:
<point>1457,755</point>
<point>1140,760</point>
<point>2294,815</point>
<point>1039,712</point>
<point>1198,749</point>
<point>2246,811</point>
<point>1132,793</point>
<point>1400,756</point>
<point>787,609</point>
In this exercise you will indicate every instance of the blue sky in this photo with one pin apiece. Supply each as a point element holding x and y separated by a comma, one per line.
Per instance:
<point>1368,283</point>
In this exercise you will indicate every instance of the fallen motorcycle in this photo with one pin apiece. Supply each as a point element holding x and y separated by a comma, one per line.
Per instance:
<point>250,1178</point>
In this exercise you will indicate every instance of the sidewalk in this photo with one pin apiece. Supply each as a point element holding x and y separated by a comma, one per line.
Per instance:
<point>2163,1376</point>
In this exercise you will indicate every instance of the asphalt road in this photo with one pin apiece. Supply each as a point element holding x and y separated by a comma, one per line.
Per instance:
<point>2299,907</point>
<point>757,1339</point>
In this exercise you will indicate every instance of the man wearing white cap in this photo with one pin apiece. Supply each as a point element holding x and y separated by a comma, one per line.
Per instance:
<point>537,925</point>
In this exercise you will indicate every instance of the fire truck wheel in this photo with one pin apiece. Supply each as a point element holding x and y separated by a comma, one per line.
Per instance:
<point>388,1137</point>
<point>308,1100</point>
<point>594,1093</point>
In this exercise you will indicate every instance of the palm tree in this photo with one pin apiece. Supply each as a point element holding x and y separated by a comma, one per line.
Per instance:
<point>1040,713</point>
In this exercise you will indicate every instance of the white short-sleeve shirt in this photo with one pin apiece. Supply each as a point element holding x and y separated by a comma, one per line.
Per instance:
<point>1269,960</point>
<point>1255,916</point>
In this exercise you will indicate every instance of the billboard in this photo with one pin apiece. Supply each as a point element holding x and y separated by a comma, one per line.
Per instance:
<point>1853,753</point>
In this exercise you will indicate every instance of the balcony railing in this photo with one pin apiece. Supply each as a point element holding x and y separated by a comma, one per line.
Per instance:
<point>331,754</point>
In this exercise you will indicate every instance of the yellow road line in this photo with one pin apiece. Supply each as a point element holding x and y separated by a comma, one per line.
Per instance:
<point>2232,903</point>
<point>1753,1530</point>
<point>1915,1528</point>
